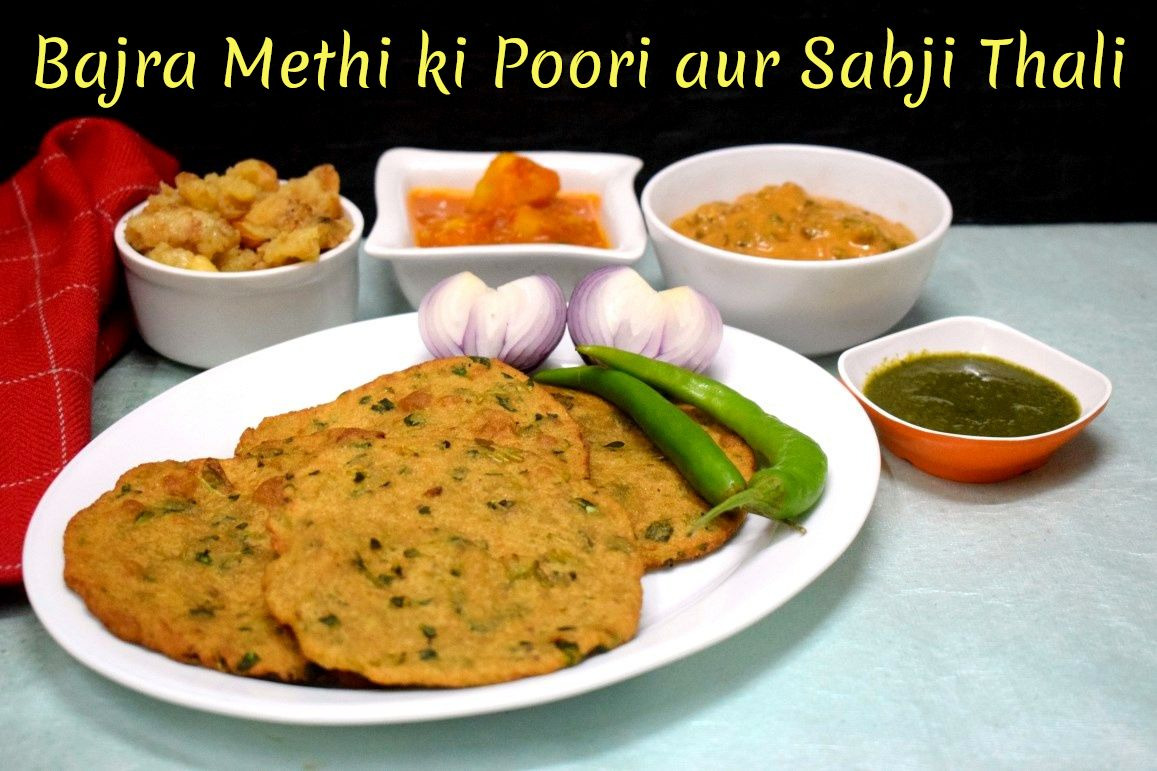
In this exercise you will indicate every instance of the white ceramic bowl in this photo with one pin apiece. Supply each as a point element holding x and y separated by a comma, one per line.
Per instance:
<point>974,458</point>
<point>205,319</point>
<point>419,268</point>
<point>813,307</point>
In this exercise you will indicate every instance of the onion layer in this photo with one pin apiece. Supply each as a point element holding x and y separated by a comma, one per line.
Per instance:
<point>615,306</point>
<point>519,322</point>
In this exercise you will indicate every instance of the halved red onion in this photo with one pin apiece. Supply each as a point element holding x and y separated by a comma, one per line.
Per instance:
<point>615,306</point>
<point>519,322</point>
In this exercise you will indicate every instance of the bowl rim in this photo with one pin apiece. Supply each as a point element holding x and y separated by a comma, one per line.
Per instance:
<point>134,259</point>
<point>501,252</point>
<point>1086,414</point>
<point>620,165</point>
<point>653,220</point>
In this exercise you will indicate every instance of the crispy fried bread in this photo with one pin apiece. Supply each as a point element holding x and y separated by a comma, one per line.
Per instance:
<point>440,401</point>
<point>173,558</point>
<point>413,563</point>
<point>626,466</point>
<point>448,537</point>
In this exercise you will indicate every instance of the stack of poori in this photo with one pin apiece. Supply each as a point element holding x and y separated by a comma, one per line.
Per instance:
<point>448,525</point>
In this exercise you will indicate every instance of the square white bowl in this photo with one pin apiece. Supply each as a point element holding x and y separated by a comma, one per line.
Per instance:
<point>973,334</point>
<point>974,458</point>
<point>402,169</point>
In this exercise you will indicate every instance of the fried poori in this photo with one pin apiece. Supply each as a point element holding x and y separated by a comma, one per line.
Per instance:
<point>449,567</point>
<point>488,405</point>
<point>443,526</point>
<point>173,558</point>
<point>627,466</point>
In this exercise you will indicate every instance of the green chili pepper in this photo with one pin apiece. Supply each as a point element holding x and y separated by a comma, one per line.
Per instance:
<point>683,441</point>
<point>792,467</point>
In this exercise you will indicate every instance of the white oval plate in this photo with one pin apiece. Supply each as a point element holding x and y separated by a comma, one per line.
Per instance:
<point>685,609</point>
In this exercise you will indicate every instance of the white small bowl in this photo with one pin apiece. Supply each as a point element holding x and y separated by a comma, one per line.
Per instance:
<point>204,319</point>
<point>813,307</point>
<point>418,268</point>
<point>974,458</point>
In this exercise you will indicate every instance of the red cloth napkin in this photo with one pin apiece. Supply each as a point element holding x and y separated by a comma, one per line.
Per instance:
<point>59,326</point>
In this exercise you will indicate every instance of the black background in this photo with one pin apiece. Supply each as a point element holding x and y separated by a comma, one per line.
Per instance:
<point>1006,155</point>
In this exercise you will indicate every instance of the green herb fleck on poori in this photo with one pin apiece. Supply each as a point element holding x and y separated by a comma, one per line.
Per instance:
<point>659,530</point>
<point>586,505</point>
<point>247,661</point>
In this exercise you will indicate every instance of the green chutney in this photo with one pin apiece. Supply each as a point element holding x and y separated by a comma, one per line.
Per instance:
<point>971,394</point>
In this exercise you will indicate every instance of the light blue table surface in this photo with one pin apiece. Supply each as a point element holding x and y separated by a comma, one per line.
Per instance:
<point>999,626</point>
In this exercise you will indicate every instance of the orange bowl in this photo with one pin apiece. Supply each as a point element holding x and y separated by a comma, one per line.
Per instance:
<point>974,458</point>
